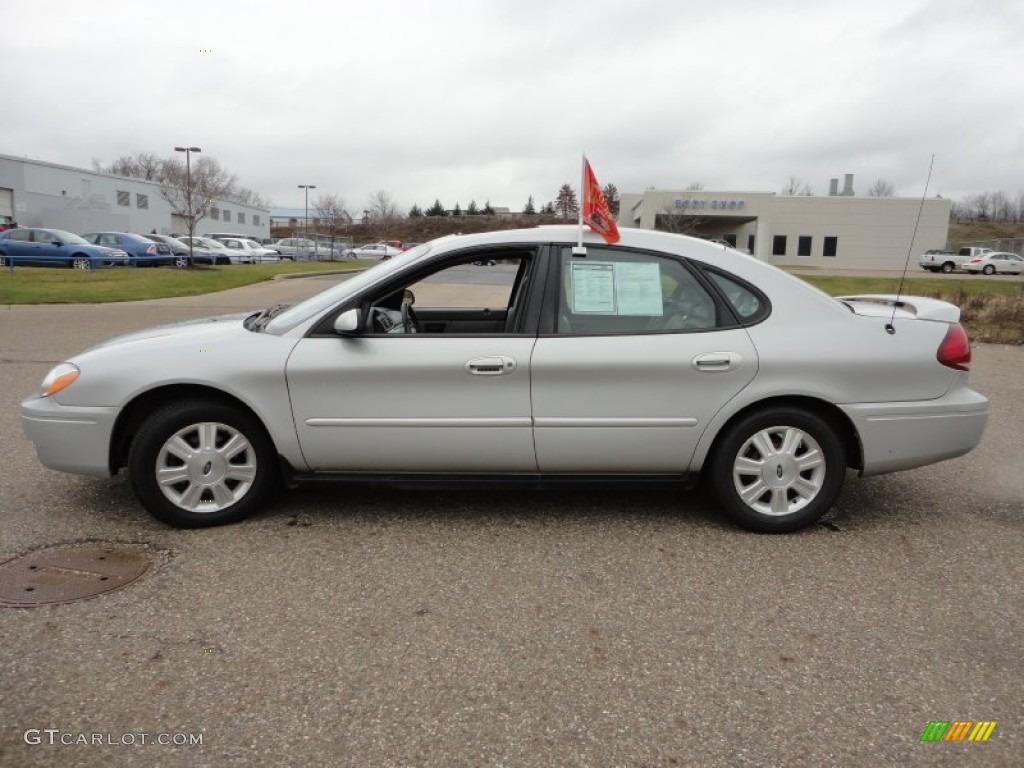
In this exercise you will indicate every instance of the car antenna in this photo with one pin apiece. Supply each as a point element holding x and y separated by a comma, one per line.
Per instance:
<point>889,327</point>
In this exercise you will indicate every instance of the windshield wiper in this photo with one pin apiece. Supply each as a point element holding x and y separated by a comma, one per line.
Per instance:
<point>259,321</point>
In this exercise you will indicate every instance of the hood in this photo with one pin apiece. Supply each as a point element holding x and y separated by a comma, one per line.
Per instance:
<point>187,327</point>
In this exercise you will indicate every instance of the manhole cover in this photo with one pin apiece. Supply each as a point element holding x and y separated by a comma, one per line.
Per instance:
<point>71,572</point>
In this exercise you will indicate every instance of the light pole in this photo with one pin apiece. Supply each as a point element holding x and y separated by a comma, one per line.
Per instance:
<point>305,226</point>
<point>188,196</point>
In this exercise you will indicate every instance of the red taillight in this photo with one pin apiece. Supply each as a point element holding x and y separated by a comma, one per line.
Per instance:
<point>955,349</point>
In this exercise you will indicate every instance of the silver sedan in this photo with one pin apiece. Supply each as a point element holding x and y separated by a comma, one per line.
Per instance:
<point>661,358</point>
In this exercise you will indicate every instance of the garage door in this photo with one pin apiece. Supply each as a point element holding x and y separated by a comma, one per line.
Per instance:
<point>6,202</point>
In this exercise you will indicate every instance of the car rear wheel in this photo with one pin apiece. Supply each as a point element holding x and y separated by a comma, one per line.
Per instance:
<point>196,464</point>
<point>989,269</point>
<point>948,267</point>
<point>180,262</point>
<point>778,470</point>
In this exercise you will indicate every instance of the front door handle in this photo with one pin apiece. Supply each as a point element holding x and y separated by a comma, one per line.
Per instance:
<point>717,362</point>
<point>492,365</point>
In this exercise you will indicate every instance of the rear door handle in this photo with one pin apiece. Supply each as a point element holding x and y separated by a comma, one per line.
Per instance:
<point>493,365</point>
<point>716,362</point>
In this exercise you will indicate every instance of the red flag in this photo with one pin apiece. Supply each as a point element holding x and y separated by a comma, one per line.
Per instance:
<point>596,213</point>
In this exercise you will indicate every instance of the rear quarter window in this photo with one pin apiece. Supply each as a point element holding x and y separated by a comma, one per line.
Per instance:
<point>750,305</point>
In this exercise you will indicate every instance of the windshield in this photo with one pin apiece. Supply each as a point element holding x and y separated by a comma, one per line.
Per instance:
<point>334,295</point>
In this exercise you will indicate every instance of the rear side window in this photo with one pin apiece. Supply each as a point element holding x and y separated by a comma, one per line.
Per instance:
<point>749,306</point>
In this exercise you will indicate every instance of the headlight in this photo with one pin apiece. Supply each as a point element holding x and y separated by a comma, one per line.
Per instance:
<point>57,379</point>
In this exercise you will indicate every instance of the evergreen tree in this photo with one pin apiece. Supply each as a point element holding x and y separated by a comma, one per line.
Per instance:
<point>436,209</point>
<point>415,212</point>
<point>565,204</point>
<point>530,210</point>
<point>471,209</point>
<point>611,196</point>
<point>548,209</point>
<point>457,211</point>
<point>487,211</point>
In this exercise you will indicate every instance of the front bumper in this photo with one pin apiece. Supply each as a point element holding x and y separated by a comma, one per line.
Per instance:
<point>897,436</point>
<point>72,439</point>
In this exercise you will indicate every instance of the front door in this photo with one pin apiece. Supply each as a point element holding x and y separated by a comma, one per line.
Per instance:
<point>445,391</point>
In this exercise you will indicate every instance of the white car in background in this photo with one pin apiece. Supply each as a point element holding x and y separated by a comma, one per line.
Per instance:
<point>660,358</point>
<point>221,253</point>
<point>998,263</point>
<point>249,251</point>
<point>373,251</point>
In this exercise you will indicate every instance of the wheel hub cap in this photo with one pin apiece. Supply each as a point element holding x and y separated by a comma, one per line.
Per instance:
<point>779,470</point>
<point>206,467</point>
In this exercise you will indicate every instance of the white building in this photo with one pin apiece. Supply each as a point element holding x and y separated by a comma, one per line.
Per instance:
<point>838,231</point>
<point>39,194</point>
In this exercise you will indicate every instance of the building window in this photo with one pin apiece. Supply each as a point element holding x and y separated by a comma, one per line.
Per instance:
<point>142,201</point>
<point>731,240</point>
<point>124,198</point>
<point>256,219</point>
<point>804,246</point>
<point>215,214</point>
<point>779,245</point>
<point>831,244</point>
<point>241,218</point>
<point>750,244</point>
<point>226,215</point>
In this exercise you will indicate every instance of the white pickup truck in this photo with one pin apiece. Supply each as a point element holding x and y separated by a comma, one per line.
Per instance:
<point>946,261</point>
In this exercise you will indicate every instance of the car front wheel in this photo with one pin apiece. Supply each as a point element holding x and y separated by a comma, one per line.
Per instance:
<point>196,464</point>
<point>80,263</point>
<point>778,470</point>
<point>989,269</point>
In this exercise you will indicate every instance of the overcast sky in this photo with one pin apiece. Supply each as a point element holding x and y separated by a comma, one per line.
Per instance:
<point>496,100</point>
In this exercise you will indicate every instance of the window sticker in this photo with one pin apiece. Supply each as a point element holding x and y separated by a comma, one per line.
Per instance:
<point>593,288</point>
<point>616,288</point>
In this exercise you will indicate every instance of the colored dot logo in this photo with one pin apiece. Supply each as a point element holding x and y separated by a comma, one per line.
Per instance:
<point>206,50</point>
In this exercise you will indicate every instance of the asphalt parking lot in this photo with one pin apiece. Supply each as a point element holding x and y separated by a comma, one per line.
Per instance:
<point>585,627</point>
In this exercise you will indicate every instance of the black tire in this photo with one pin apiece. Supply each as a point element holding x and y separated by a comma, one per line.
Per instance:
<point>989,269</point>
<point>147,453</point>
<point>948,267</point>
<point>781,477</point>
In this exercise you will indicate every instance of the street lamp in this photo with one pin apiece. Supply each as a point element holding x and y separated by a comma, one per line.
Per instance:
<point>188,195</point>
<point>305,227</point>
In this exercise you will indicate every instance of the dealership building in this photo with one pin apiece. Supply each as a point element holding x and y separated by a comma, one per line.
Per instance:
<point>38,194</point>
<point>837,231</point>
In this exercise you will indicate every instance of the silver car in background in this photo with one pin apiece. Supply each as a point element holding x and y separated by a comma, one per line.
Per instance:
<point>660,358</point>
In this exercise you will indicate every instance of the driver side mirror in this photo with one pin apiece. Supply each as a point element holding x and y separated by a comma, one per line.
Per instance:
<point>348,323</point>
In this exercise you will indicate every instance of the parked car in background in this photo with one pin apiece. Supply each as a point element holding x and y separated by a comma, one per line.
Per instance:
<point>219,252</point>
<point>251,251</point>
<point>35,247</point>
<point>409,246</point>
<point>946,261</point>
<point>6,222</point>
<point>180,249</point>
<point>996,263</point>
<point>143,251</point>
<point>373,251</point>
<point>660,358</point>
<point>295,248</point>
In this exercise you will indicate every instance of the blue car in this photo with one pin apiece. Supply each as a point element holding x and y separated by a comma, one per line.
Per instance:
<point>31,247</point>
<point>143,251</point>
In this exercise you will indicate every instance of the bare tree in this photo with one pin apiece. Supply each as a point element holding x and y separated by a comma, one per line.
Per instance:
<point>882,188</point>
<point>191,194</point>
<point>796,186</point>
<point>382,207</point>
<point>141,165</point>
<point>330,211</point>
<point>676,220</point>
<point>611,196</point>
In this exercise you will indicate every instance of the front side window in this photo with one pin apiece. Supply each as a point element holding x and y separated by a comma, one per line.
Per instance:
<point>611,291</point>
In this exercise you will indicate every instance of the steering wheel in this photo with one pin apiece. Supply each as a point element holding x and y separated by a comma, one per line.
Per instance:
<point>410,323</point>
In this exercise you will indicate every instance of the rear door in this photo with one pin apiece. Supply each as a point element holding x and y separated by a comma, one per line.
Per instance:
<point>640,355</point>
